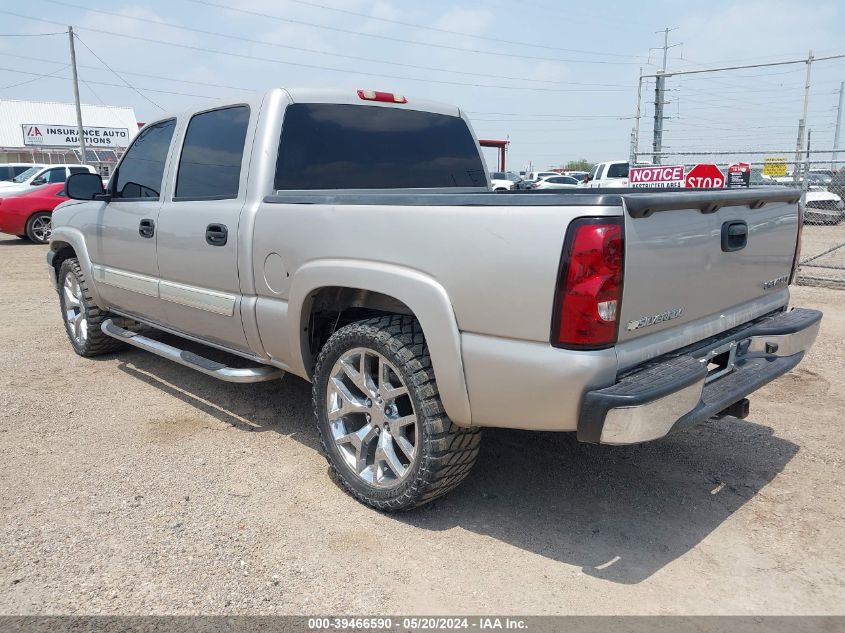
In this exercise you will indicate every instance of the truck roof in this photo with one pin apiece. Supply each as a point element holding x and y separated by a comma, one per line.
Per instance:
<point>319,95</point>
<point>350,97</point>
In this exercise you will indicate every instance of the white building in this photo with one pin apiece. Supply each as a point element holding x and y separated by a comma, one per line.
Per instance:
<point>46,132</point>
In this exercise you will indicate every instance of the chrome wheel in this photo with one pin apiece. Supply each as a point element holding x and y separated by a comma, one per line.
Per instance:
<point>372,417</point>
<point>41,228</point>
<point>74,306</point>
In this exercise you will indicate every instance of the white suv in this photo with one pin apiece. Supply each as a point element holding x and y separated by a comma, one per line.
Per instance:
<point>41,175</point>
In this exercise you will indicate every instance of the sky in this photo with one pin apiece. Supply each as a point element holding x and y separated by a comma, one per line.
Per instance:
<point>557,79</point>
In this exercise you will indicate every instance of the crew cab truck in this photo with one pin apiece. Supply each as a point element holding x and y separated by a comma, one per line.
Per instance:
<point>351,239</point>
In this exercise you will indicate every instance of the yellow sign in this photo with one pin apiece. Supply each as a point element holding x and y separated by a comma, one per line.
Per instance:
<point>774,166</point>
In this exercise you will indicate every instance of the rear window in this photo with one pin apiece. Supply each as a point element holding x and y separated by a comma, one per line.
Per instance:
<point>618,170</point>
<point>331,146</point>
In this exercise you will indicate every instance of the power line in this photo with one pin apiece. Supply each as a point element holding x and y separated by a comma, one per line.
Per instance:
<point>403,40</point>
<point>32,34</point>
<point>119,76</point>
<point>37,77</point>
<point>568,116</point>
<point>344,71</point>
<point>498,40</point>
<point>251,40</point>
<point>136,74</point>
<point>103,103</point>
<point>110,85</point>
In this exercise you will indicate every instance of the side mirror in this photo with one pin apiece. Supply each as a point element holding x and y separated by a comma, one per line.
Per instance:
<point>84,186</point>
<point>38,181</point>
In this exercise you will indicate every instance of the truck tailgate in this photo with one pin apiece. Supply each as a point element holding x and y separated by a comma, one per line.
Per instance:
<point>691,255</point>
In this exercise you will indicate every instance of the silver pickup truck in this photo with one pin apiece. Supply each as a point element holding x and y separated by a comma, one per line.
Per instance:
<point>351,239</point>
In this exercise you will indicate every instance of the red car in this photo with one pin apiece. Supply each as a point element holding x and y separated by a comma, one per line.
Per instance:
<point>29,214</point>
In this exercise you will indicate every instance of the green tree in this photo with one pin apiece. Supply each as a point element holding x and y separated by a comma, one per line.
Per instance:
<point>578,165</point>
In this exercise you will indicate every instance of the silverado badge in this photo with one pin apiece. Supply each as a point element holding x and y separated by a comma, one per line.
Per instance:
<point>776,283</point>
<point>651,319</point>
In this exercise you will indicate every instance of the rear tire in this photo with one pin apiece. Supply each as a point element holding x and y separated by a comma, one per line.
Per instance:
<point>81,316</point>
<point>382,425</point>
<point>39,227</point>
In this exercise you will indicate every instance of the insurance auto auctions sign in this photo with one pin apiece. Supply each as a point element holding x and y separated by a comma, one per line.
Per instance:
<point>64,136</point>
<point>669,176</point>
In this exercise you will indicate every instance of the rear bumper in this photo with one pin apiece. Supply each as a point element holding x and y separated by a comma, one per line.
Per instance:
<point>674,393</point>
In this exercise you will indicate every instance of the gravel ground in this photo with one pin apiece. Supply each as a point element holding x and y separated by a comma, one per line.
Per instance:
<point>131,485</point>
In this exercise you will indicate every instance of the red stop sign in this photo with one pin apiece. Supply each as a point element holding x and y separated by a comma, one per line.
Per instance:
<point>705,176</point>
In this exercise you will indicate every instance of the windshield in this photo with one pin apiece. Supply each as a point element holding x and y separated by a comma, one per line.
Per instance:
<point>29,173</point>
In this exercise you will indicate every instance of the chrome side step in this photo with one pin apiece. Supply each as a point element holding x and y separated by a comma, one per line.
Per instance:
<point>258,373</point>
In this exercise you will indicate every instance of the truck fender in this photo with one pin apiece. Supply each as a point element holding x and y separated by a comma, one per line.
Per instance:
<point>426,298</point>
<point>68,236</point>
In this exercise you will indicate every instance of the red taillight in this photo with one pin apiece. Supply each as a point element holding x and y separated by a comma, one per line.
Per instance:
<point>377,95</point>
<point>590,285</point>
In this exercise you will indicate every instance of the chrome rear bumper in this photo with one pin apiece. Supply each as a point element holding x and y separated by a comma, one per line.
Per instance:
<point>677,392</point>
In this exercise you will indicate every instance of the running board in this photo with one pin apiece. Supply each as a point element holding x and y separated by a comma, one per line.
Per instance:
<point>204,365</point>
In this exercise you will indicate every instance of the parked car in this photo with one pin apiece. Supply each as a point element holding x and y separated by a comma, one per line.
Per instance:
<point>28,214</point>
<point>423,307</point>
<point>534,176</point>
<point>578,175</point>
<point>757,178</point>
<point>607,174</point>
<point>837,184</point>
<point>41,175</point>
<point>10,170</point>
<point>823,207</point>
<point>507,180</point>
<point>556,182</point>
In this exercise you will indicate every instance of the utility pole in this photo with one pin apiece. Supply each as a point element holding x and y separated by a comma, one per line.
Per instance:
<point>838,127</point>
<point>76,97</point>
<point>802,124</point>
<point>660,98</point>
<point>635,137</point>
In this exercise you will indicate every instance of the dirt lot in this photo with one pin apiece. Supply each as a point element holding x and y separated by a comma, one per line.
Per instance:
<point>132,485</point>
<point>823,250</point>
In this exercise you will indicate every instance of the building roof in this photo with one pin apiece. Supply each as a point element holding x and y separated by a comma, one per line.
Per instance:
<point>14,114</point>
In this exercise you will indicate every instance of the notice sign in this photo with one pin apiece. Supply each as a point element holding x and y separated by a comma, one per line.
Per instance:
<point>739,175</point>
<point>68,136</point>
<point>657,176</point>
<point>774,166</point>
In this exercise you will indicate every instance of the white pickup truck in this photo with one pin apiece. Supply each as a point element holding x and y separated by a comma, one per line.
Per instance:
<point>352,239</point>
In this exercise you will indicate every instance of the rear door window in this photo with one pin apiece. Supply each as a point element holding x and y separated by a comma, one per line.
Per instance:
<point>331,146</point>
<point>210,164</point>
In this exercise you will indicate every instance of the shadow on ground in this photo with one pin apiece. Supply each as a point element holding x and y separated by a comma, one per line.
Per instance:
<point>619,513</point>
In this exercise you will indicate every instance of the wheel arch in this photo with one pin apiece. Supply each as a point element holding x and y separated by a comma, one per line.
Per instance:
<point>66,242</point>
<point>375,288</point>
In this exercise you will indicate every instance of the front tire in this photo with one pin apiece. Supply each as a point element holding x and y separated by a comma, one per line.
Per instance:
<point>39,227</point>
<point>81,316</point>
<point>382,426</point>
